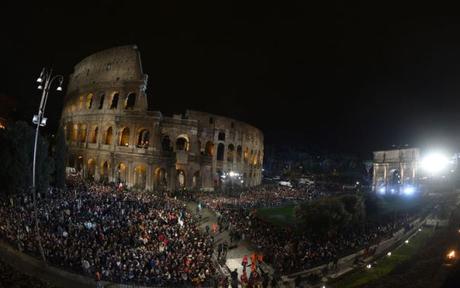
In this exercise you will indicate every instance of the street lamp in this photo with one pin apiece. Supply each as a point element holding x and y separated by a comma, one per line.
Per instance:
<point>45,80</point>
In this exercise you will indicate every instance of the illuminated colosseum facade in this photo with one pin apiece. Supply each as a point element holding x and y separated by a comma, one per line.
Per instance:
<point>112,135</point>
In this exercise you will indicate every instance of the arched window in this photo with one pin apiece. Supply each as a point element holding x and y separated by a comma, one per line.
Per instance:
<point>230,153</point>
<point>254,158</point>
<point>124,137</point>
<point>101,101</point>
<point>114,103</point>
<point>94,135</point>
<point>143,139</point>
<point>181,178</point>
<point>108,136</point>
<point>81,102</point>
<point>74,136</point>
<point>239,153</point>
<point>91,168</point>
<point>105,171</point>
<point>221,136</point>
<point>79,164</point>
<point>83,131</point>
<point>220,152</point>
<point>182,143</point>
<point>140,177</point>
<point>161,178</point>
<point>89,101</point>
<point>166,144</point>
<point>121,172</point>
<point>246,154</point>
<point>209,148</point>
<point>130,101</point>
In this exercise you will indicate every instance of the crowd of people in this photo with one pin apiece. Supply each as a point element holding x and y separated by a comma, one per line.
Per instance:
<point>263,196</point>
<point>142,238</point>
<point>286,249</point>
<point>123,237</point>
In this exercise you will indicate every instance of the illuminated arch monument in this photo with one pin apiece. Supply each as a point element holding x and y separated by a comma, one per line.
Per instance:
<point>394,168</point>
<point>112,136</point>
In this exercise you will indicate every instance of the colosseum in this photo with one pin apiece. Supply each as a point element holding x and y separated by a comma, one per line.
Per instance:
<point>112,135</point>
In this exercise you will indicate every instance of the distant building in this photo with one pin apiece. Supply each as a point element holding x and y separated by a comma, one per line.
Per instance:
<point>111,135</point>
<point>394,168</point>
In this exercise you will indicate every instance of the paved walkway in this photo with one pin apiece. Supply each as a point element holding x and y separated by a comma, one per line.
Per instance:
<point>235,255</point>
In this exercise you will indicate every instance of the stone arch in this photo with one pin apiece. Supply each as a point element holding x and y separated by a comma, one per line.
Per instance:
<point>82,100</point>
<point>181,178</point>
<point>196,180</point>
<point>108,136</point>
<point>105,170</point>
<point>74,133</point>
<point>239,153</point>
<point>166,143</point>
<point>161,178</point>
<point>254,158</point>
<point>140,177</point>
<point>121,172</point>
<point>124,137</point>
<point>114,102</point>
<point>246,154</point>
<point>230,152</point>
<point>79,163</point>
<point>209,149</point>
<point>394,177</point>
<point>220,152</point>
<point>94,132</point>
<point>89,100</point>
<point>101,101</point>
<point>182,143</point>
<point>91,168</point>
<point>143,138</point>
<point>130,100</point>
<point>83,132</point>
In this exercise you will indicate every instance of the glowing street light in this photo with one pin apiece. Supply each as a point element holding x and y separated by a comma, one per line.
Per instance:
<point>451,255</point>
<point>389,254</point>
<point>45,79</point>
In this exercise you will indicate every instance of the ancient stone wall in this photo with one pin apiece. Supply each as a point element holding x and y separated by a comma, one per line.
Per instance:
<point>112,136</point>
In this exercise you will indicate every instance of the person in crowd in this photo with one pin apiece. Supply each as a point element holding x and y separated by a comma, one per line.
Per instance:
<point>119,235</point>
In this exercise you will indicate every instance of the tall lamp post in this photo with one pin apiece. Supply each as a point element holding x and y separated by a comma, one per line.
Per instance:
<point>44,83</point>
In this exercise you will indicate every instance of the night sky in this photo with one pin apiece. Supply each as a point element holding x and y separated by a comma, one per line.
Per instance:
<point>343,77</point>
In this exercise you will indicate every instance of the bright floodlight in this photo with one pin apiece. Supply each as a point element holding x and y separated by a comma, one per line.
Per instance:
<point>59,88</point>
<point>434,163</point>
<point>409,190</point>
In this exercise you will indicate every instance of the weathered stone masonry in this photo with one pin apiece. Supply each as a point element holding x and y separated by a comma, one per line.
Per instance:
<point>111,134</point>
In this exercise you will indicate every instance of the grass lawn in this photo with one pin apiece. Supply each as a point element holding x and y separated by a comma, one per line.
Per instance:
<point>386,264</point>
<point>279,216</point>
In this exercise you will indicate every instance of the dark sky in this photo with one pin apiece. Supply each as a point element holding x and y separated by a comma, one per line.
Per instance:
<point>345,77</point>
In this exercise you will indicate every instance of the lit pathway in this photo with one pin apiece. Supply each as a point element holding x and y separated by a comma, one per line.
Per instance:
<point>235,255</point>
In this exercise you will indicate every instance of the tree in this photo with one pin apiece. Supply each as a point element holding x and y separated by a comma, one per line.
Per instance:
<point>17,152</point>
<point>354,205</point>
<point>60,158</point>
<point>323,215</point>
